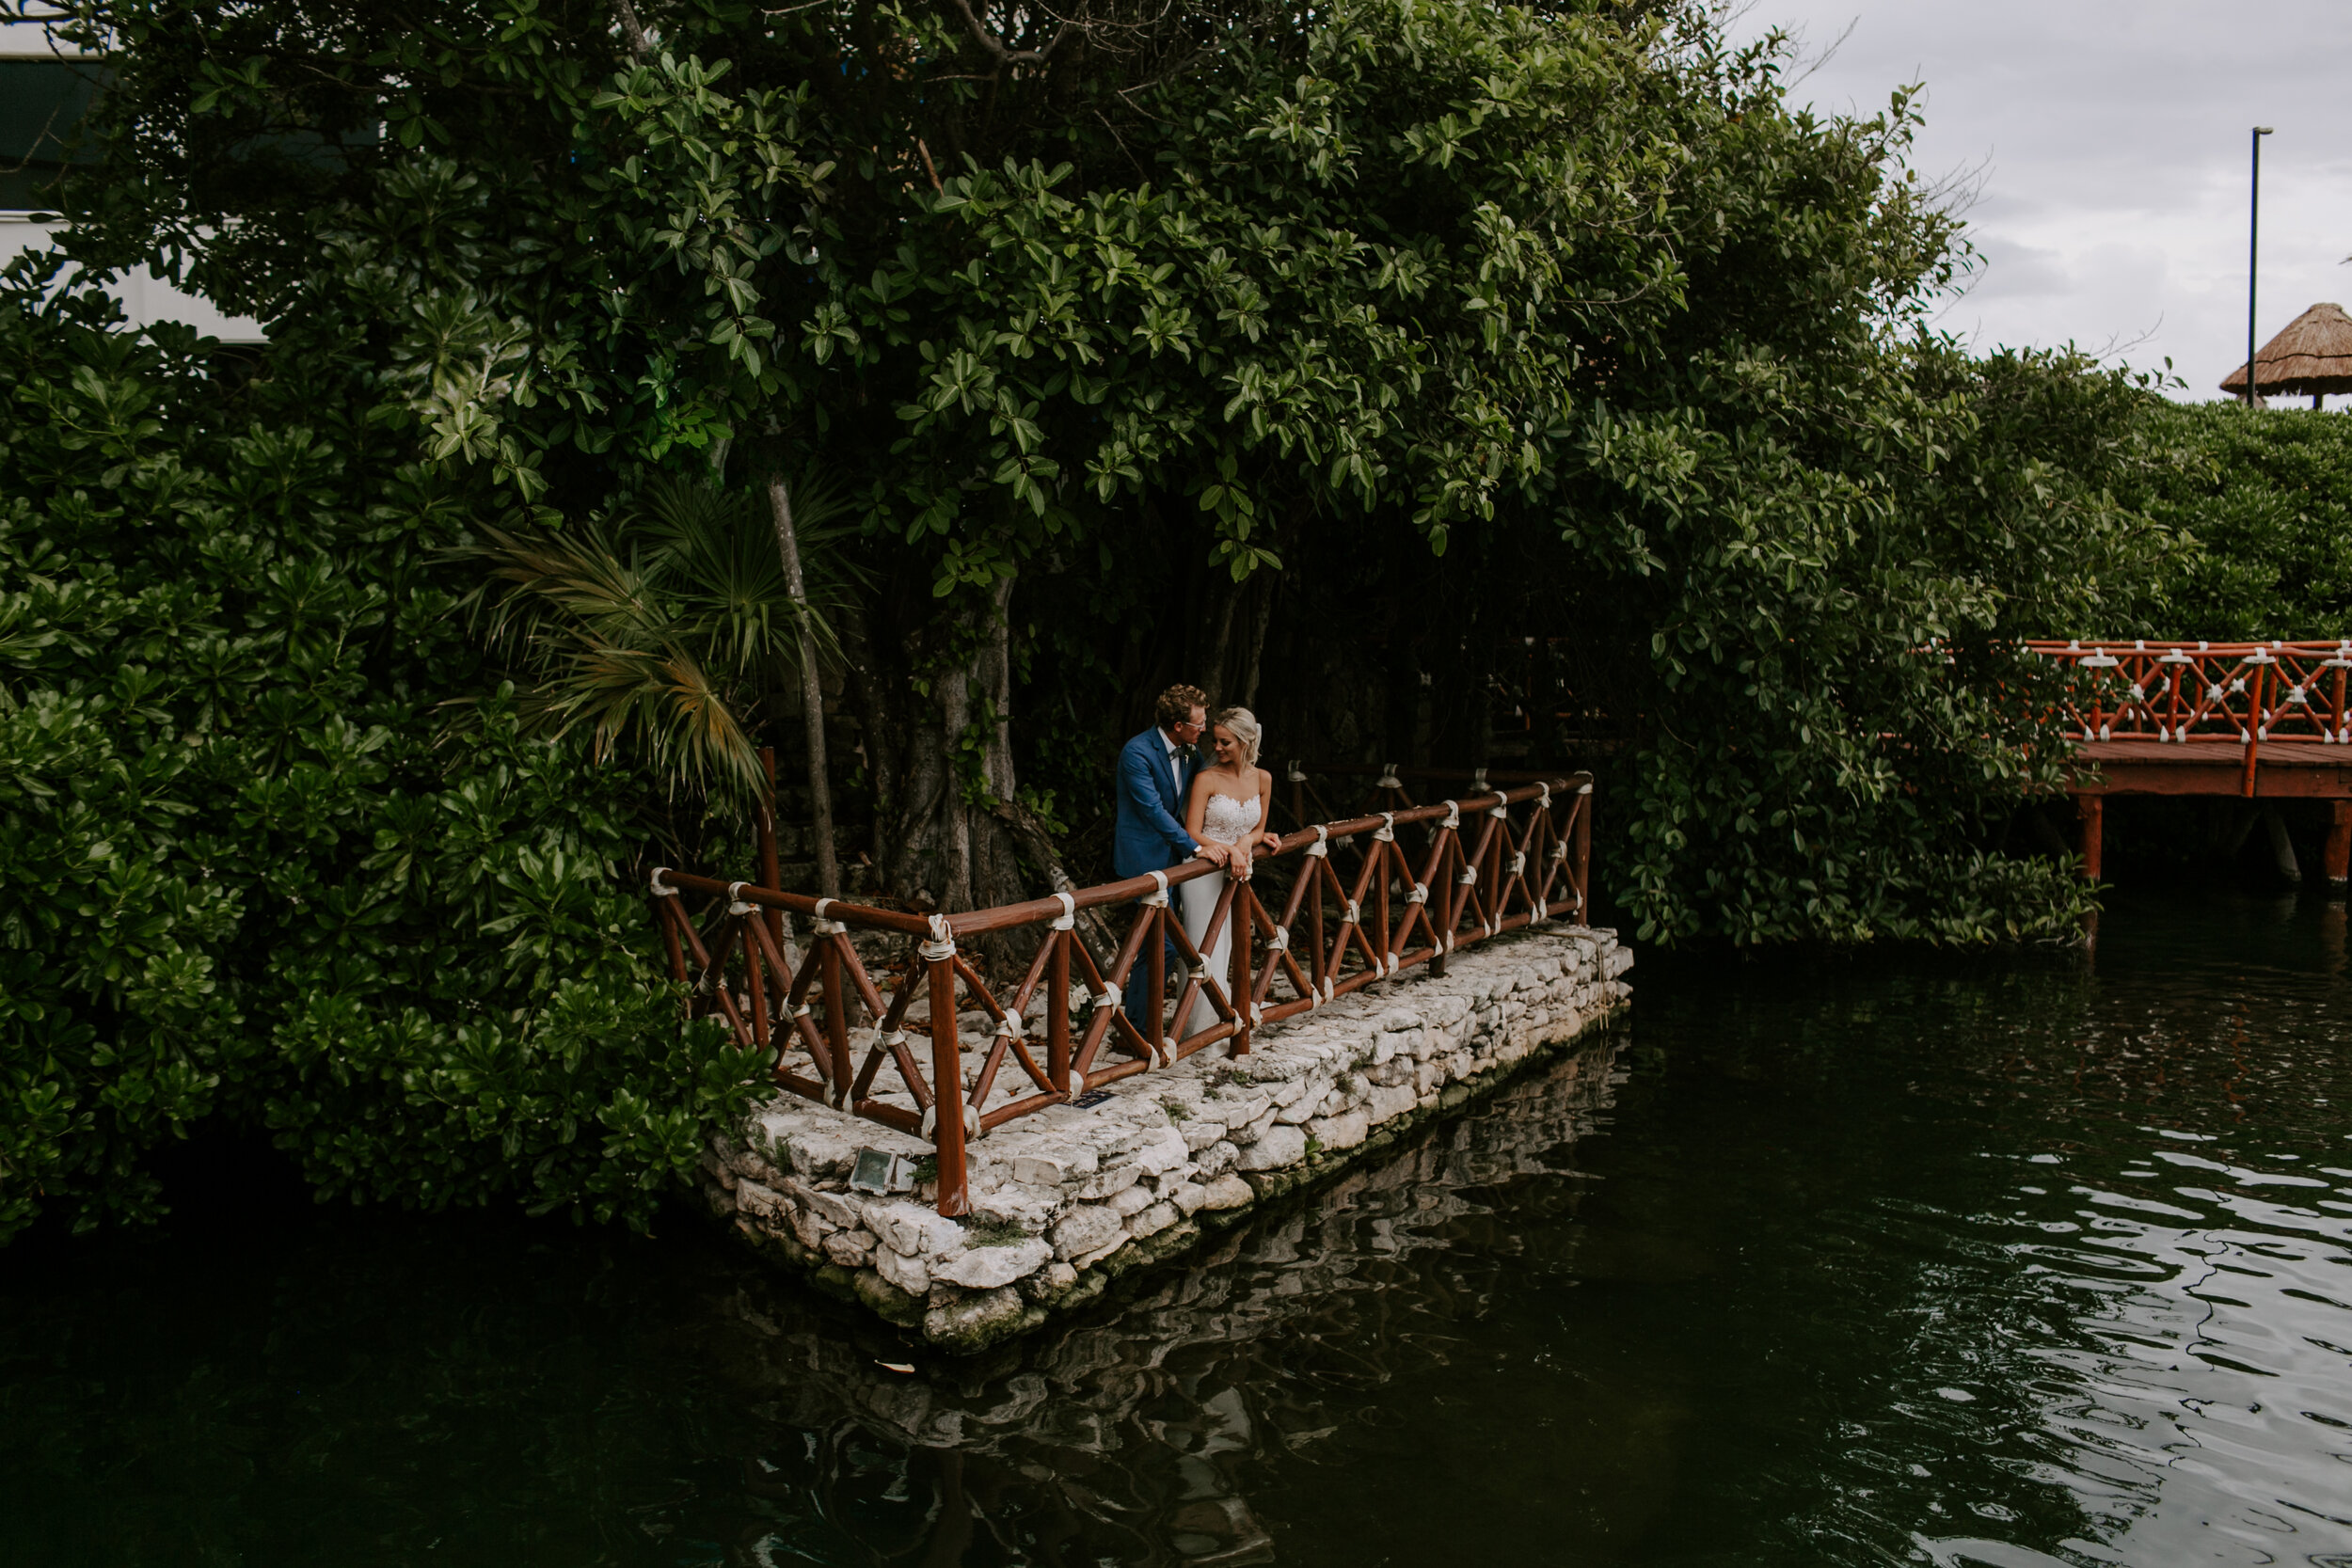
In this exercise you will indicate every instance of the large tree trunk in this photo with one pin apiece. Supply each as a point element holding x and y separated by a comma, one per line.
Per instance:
<point>812,690</point>
<point>938,843</point>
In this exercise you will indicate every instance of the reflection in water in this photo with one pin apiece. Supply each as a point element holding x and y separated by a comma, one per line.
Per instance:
<point>2010,1261</point>
<point>1136,1429</point>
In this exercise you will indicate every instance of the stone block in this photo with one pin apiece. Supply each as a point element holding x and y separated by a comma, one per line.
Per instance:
<point>1217,1157</point>
<point>809,1227</point>
<point>985,1268</point>
<point>1341,1131</point>
<point>1105,1184</point>
<point>1227,1192</point>
<point>913,1228</point>
<point>1152,1220</point>
<point>1087,1228</point>
<point>1131,1200</point>
<point>1282,1145</point>
<point>1390,1101</point>
<point>752,1199</point>
<point>1188,1197</point>
<point>852,1249</point>
<point>974,1320</point>
<point>908,1273</point>
<point>838,1207</point>
<point>1040,1170</point>
<point>1201,1131</point>
<point>1163,1151</point>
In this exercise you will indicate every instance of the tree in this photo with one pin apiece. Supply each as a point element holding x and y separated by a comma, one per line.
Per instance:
<point>1326,351</point>
<point>248,874</point>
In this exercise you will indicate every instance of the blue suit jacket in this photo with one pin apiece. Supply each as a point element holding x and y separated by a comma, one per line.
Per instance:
<point>1150,834</point>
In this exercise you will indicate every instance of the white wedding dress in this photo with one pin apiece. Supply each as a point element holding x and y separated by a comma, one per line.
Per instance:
<point>1227,819</point>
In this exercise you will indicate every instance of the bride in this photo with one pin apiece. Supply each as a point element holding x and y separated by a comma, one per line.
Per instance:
<point>1231,802</point>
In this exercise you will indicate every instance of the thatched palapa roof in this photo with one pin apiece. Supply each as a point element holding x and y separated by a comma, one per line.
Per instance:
<point>2313,355</point>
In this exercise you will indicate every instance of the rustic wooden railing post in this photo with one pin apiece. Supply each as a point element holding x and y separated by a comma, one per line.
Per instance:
<point>1155,986</point>
<point>938,954</point>
<point>1240,985</point>
<point>2338,858</point>
<point>1057,1011</point>
<point>830,977</point>
<point>754,985</point>
<point>2254,725</point>
<point>1583,853</point>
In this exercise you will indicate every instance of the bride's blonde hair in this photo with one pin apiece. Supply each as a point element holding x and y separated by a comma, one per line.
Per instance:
<point>1244,725</point>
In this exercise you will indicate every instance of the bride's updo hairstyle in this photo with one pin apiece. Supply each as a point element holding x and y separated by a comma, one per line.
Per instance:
<point>1244,725</point>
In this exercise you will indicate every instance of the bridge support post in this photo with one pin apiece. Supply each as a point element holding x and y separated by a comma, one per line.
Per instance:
<point>946,1084</point>
<point>2339,853</point>
<point>2095,819</point>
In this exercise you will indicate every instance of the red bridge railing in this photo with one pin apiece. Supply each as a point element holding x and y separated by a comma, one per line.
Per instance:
<point>1358,907</point>
<point>2228,693</point>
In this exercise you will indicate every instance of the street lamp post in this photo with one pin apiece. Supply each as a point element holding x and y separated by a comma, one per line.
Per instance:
<point>2253,245</point>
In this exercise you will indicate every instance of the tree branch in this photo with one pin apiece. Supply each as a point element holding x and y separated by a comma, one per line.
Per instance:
<point>631,29</point>
<point>996,47</point>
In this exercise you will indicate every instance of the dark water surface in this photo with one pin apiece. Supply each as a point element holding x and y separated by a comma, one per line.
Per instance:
<point>2010,1261</point>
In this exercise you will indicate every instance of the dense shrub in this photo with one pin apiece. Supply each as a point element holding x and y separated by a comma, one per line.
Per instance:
<point>250,868</point>
<point>2261,502</point>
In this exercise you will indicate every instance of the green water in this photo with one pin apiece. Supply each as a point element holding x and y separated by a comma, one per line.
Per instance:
<point>2008,1261</point>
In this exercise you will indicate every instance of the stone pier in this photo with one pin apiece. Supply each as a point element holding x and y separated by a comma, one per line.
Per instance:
<point>1065,1200</point>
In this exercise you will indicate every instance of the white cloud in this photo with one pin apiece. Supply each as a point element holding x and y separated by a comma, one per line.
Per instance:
<point>2113,135</point>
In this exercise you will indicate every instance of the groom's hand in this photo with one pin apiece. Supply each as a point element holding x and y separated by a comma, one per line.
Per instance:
<point>1216,854</point>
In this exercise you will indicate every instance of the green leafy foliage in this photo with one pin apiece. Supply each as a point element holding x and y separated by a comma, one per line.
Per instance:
<point>247,870</point>
<point>2261,500</point>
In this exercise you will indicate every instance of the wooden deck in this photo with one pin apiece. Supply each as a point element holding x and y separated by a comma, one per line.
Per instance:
<point>2270,770</point>
<point>2283,769</point>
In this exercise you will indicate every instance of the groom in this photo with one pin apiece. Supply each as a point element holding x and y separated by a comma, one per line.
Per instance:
<point>1155,771</point>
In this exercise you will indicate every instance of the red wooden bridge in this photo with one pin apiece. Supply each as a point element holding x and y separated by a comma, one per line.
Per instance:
<point>2256,720</point>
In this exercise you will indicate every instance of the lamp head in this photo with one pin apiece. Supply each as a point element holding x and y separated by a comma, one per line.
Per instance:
<point>2264,131</point>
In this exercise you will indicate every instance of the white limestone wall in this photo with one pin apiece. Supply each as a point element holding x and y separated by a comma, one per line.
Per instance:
<point>1063,1201</point>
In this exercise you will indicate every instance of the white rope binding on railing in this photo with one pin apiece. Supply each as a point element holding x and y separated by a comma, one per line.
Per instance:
<point>1156,899</point>
<point>820,925</point>
<point>1354,915</point>
<point>1068,921</point>
<point>1321,848</point>
<point>1388,778</point>
<point>1518,864</point>
<point>1281,941</point>
<point>734,899</point>
<point>659,890</point>
<point>942,944</point>
<point>1453,816</point>
<point>971,1120</point>
<point>1386,833</point>
<point>1419,894</point>
<point>1110,996</point>
<point>1469,877</point>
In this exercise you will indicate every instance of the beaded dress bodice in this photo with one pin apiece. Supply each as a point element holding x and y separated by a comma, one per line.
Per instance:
<point>1227,817</point>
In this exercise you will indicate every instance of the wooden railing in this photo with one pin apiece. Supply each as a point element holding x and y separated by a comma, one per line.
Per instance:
<point>2226,693</point>
<point>1337,907</point>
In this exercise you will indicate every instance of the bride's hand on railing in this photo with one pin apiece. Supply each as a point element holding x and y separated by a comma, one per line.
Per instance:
<point>1238,867</point>
<point>1273,841</point>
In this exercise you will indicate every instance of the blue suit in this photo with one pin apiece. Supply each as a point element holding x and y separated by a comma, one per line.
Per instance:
<point>1151,833</point>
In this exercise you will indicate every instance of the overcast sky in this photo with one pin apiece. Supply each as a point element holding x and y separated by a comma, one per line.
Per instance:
<point>2113,137</point>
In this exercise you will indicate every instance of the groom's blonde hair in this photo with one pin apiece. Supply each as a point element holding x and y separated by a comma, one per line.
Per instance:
<point>1244,725</point>
<point>1176,704</point>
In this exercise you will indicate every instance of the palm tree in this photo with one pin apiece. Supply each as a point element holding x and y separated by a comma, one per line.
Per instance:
<point>667,629</point>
